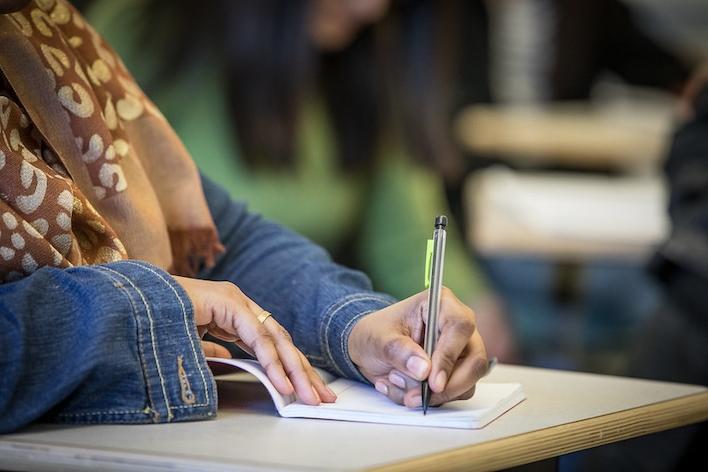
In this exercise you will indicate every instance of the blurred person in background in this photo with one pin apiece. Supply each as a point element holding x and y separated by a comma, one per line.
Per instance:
<point>537,51</point>
<point>328,116</point>
<point>672,344</point>
<point>540,52</point>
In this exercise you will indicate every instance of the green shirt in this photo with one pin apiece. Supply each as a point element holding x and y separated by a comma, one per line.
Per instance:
<point>390,210</point>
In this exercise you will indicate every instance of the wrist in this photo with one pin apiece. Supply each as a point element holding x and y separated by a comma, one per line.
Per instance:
<point>338,323</point>
<point>354,341</point>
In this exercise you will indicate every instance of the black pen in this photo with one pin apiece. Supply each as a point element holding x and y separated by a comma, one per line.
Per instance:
<point>436,275</point>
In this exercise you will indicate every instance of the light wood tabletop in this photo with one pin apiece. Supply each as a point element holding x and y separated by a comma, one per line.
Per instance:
<point>564,412</point>
<point>582,135</point>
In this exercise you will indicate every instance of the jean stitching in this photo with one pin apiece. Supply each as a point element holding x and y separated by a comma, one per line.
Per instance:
<point>107,412</point>
<point>186,326</point>
<point>152,338</point>
<point>329,316</point>
<point>183,407</point>
<point>126,420</point>
<point>143,362</point>
<point>334,308</point>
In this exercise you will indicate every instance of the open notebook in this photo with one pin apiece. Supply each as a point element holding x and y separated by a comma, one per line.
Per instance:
<point>359,402</point>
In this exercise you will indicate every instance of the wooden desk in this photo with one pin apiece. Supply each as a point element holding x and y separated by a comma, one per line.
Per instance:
<point>564,412</point>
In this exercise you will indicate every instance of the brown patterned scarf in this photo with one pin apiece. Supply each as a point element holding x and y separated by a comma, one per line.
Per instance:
<point>90,171</point>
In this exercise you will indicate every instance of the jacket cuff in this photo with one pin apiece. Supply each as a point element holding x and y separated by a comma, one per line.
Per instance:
<point>179,384</point>
<point>338,322</point>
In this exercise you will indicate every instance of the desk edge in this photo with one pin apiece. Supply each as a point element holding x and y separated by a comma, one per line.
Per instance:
<point>563,439</point>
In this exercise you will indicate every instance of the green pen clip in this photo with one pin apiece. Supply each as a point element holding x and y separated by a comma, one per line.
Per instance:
<point>428,262</point>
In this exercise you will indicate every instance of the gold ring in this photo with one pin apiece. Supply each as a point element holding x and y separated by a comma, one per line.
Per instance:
<point>264,316</point>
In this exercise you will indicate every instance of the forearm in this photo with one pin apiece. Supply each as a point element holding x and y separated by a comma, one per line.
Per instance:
<point>316,300</point>
<point>100,344</point>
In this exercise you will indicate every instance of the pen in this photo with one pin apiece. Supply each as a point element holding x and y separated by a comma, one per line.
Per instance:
<point>436,275</point>
<point>490,365</point>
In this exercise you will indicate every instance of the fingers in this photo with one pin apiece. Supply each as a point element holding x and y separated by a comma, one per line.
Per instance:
<point>410,397</point>
<point>236,315</point>
<point>396,394</point>
<point>230,315</point>
<point>458,362</point>
<point>406,391</point>
<point>402,381</point>
<point>300,373</point>
<point>457,325</point>
<point>263,346</point>
<point>400,388</point>
<point>215,350</point>
<point>472,366</point>
<point>220,333</point>
<point>403,354</point>
<point>326,394</point>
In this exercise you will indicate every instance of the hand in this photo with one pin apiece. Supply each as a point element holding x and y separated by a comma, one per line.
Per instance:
<point>385,346</point>
<point>695,84</point>
<point>224,311</point>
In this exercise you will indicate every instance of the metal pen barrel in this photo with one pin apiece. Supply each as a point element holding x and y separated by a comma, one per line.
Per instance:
<point>431,328</point>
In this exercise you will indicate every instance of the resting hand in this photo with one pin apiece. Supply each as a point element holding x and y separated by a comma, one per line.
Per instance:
<point>224,311</point>
<point>385,346</point>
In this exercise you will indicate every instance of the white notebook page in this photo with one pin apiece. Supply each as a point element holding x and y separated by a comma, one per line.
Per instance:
<point>360,402</point>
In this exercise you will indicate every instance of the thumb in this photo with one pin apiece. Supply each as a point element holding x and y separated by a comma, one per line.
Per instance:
<point>215,350</point>
<point>407,356</point>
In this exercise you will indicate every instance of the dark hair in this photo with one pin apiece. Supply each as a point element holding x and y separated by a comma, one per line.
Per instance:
<point>390,79</point>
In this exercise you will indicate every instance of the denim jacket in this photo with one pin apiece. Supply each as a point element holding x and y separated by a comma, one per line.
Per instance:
<point>117,343</point>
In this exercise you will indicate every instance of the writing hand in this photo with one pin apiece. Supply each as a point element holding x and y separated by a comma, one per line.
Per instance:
<point>224,311</point>
<point>385,346</point>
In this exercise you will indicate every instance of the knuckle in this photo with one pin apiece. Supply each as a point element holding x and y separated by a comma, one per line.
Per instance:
<point>461,325</point>
<point>443,397</point>
<point>392,348</point>
<point>447,361</point>
<point>229,289</point>
<point>263,338</point>
<point>272,363</point>
<point>479,368</point>
<point>468,394</point>
<point>283,333</point>
<point>225,285</point>
<point>293,368</point>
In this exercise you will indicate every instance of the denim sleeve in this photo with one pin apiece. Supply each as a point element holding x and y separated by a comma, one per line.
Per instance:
<point>114,343</point>
<point>316,300</point>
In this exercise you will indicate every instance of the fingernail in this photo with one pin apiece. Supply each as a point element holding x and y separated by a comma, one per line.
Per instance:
<point>417,366</point>
<point>441,380</point>
<point>331,391</point>
<point>381,387</point>
<point>397,380</point>
<point>317,395</point>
